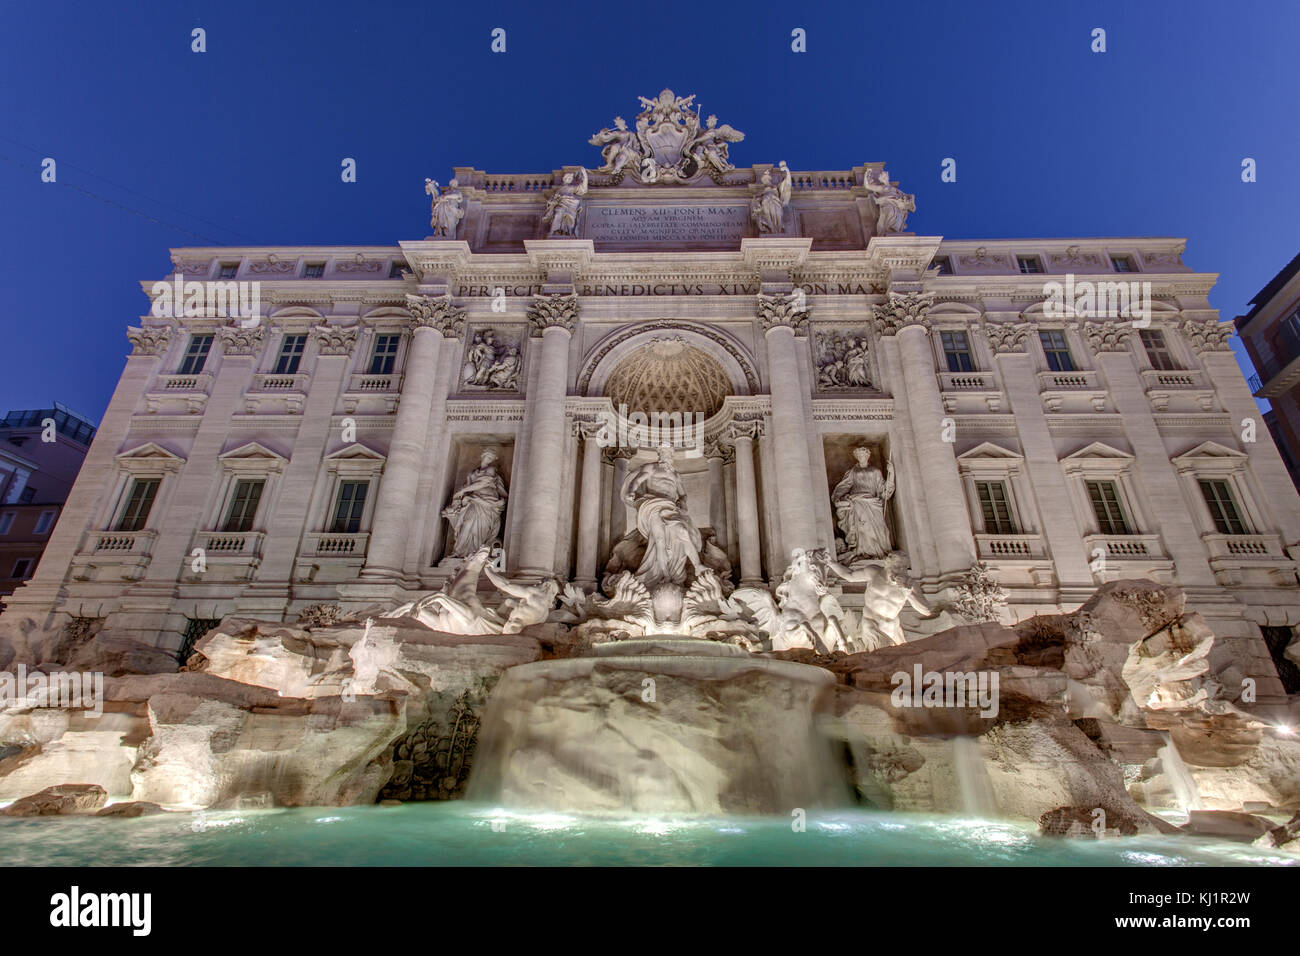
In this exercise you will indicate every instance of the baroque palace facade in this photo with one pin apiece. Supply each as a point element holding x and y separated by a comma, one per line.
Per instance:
<point>314,448</point>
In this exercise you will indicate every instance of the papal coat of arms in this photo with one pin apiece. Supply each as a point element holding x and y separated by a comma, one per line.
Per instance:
<point>668,144</point>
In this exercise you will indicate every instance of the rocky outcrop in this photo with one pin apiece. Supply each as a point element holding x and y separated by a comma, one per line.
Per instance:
<point>136,808</point>
<point>57,800</point>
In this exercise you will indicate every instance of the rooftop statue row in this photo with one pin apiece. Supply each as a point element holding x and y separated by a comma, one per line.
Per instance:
<point>670,146</point>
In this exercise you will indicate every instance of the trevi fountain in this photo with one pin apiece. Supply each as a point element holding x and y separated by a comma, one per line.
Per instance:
<point>797,650</point>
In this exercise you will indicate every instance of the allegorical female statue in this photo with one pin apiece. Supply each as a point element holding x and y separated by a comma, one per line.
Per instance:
<point>656,491</point>
<point>475,508</point>
<point>445,207</point>
<point>768,206</point>
<point>860,499</point>
<point>893,203</point>
<point>563,207</point>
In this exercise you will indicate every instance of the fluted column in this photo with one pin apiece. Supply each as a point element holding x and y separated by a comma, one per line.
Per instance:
<point>432,318</point>
<point>618,511</point>
<point>553,318</point>
<point>904,316</point>
<point>588,504</point>
<point>742,435</point>
<point>781,317</point>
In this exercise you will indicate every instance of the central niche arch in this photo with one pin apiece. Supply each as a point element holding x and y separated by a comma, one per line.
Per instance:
<point>669,375</point>
<point>609,353</point>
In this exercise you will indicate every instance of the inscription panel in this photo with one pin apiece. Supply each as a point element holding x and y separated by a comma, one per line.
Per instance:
<point>709,223</point>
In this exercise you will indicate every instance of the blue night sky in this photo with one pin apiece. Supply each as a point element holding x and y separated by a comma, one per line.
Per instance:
<point>160,147</point>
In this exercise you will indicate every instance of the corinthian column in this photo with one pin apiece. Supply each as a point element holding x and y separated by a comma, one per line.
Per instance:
<point>782,316</point>
<point>904,316</point>
<point>432,318</point>
<point>588,504</point>
<point>742,435</point>
<point>553,318</point>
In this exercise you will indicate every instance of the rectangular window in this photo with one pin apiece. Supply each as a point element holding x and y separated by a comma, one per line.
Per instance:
<point>384,357</point>
<point>196,355</point>
<point>1153,340</point>
<point>1223,509</point>
<point>956,348</point>
<point>313,270</point>
<point>351,503</point>
<point>291,349</point>
<point>44,521</point>
<point>1057,350</point>
<point>1104,496</point>
<point>1029,265</point>
<point>6,522</point>
<point>27,495</point>
<point>396,269</point>
<point>995,508</point>
<point>228,270</point>
<point>1122,264</point>
<point>22,568</point>
<point>943,264</point>
<point>243,504</point>
<point>138,504</point>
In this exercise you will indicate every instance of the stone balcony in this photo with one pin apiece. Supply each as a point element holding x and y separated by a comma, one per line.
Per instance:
<point>228,555</point>
<point>114,555</point>
<point>1236,557</point>
<point>386,389</point>
<point>1162,385</point>
<point>267,388</point>
<point>189,391</point>
<point>1060,389</point>
<point>328,557</point>
<point>1011,547</point>
<point>957,387</point>
<point>1130,555</point>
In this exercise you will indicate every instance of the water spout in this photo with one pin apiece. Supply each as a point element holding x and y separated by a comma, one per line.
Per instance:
<point>977,799</point>
<point>1181,781</point>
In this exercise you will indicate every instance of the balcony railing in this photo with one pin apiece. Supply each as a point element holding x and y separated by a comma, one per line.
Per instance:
<point>335,545</point>
<point>185,383</point>
<point>124,542</point>
<point>266,382</point>
<point>1173,378</point>
<point>361,382</point>
<point>1245,546</point>
<point>1126,546</point>
<point>230,543</point>
<point>966,381</point>
<point>1067,381</point>
<point>1010,547</point>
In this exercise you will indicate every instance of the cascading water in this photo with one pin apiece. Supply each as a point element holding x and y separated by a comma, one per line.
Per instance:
<point>659,725</point>
<point>1181,781</point>
<point>977,799</point>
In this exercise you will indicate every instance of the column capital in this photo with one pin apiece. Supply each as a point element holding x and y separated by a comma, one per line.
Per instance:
<point>1207,335</point>
<point>749,429</point>
<point>1007,337</point>
<point>436,312</point>
<point>1108,336</point>
<point>557,310</point>
<point>718,449</point>
<point>335,340</point>
<point>149,339</point>
<point>585,428</point>
<point>902,310</point>
<point>237,340</point>
<point>789,310</point>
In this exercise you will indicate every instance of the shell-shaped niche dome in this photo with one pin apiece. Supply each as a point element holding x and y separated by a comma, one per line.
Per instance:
<point>669,375</point>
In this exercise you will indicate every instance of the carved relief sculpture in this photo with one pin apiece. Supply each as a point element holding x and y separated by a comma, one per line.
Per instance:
<point>492,362</point>
<point>842,360</point>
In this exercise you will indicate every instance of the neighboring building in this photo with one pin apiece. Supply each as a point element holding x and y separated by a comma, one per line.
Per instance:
<point>41,451</point>
<point>261,466</point>
<point>1271,333</point>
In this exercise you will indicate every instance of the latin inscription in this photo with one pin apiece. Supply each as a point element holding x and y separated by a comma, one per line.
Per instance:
<point>682,224</point>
